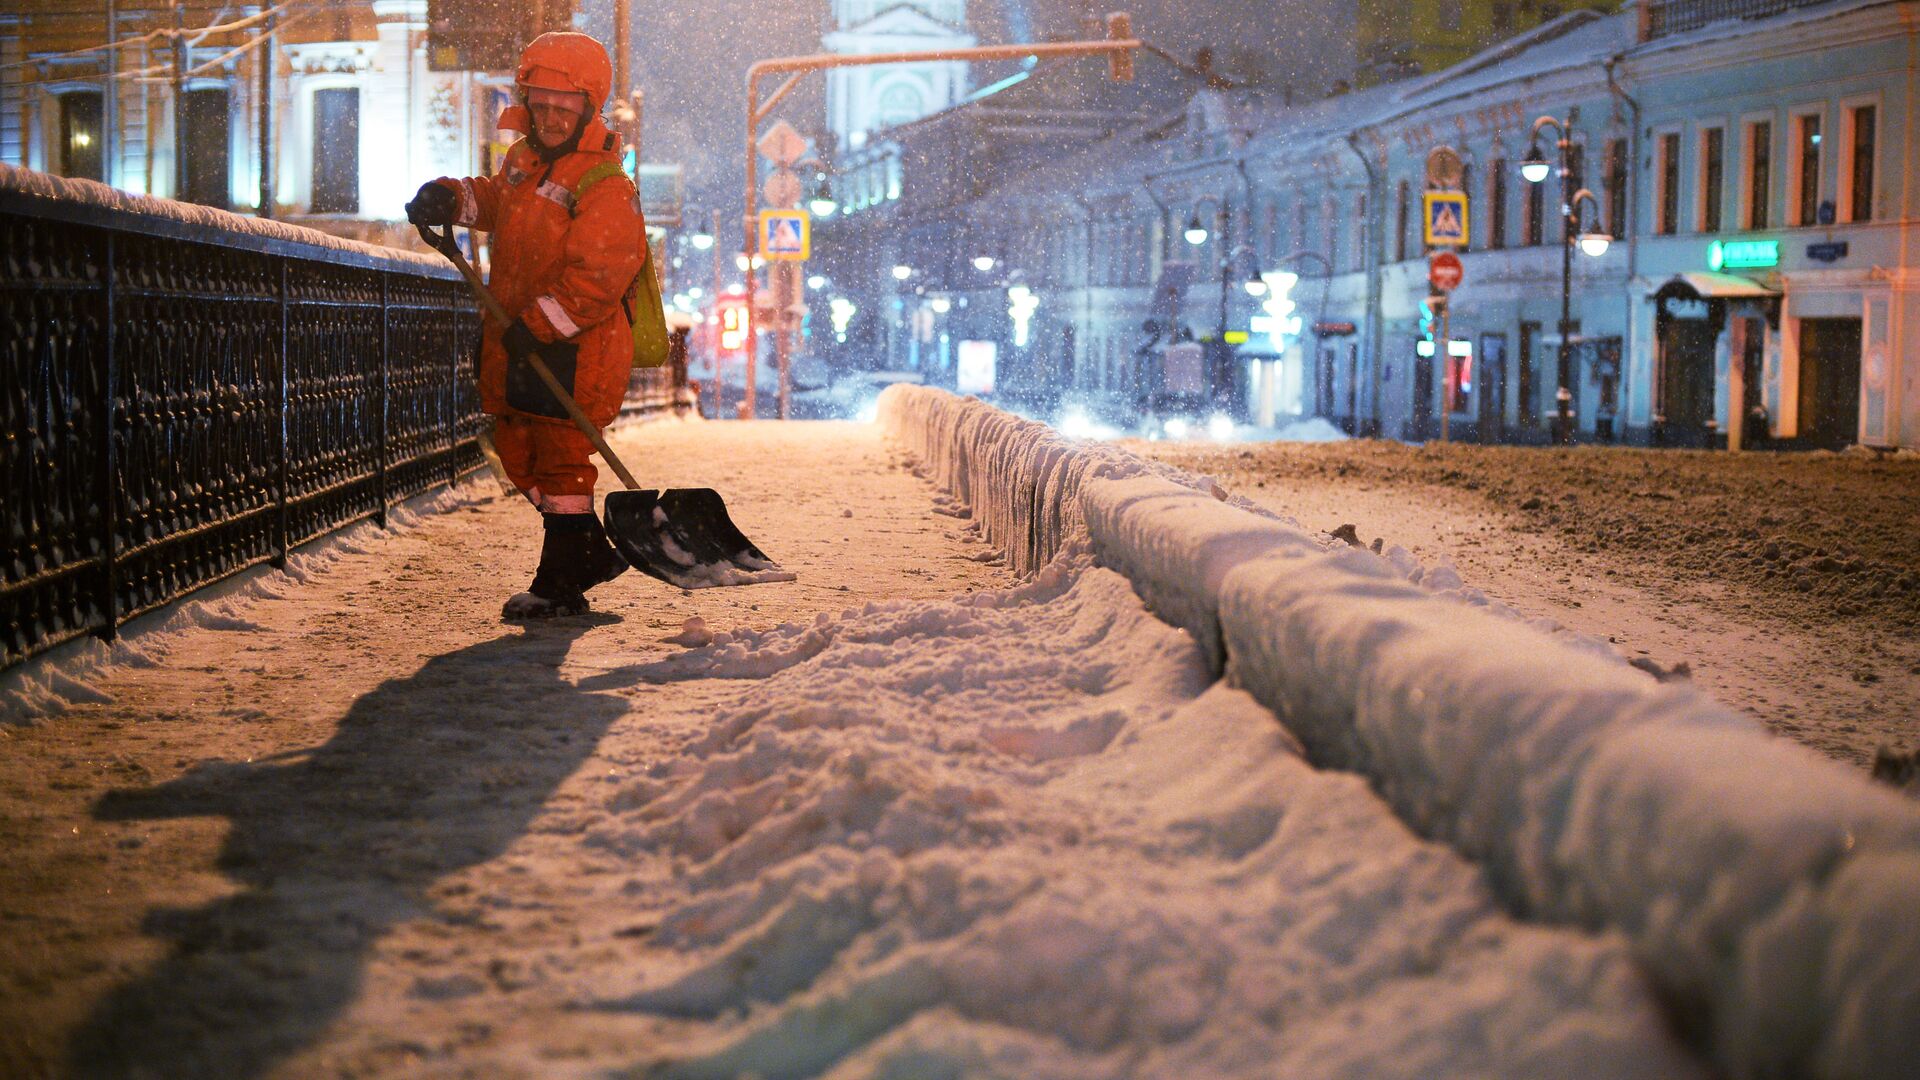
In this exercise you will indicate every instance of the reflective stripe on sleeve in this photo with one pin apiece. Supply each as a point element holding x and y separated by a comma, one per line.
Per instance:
<point>555,194</point>
<point>469,205</point>
<point>566,504</point>
<point>563,323</point>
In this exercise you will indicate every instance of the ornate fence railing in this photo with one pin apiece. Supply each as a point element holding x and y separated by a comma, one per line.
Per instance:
<point>1658,18</point>
<point>186,393</point>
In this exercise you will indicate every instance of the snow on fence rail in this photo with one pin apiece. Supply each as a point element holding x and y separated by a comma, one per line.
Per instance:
<point>1770,892</point>
<point>187,393</point>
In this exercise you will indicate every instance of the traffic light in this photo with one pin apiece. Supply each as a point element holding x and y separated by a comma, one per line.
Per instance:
<point>1430,310</point>
<point>1120,61</point>
<point>1280,303</point>
<point>736,327</point>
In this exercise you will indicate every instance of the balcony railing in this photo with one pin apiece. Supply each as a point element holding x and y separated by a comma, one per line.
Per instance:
<point>185,393</point>
<point>1663,17</point>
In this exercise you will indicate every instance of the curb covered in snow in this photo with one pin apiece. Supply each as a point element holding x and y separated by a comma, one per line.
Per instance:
<point>1769,891</point>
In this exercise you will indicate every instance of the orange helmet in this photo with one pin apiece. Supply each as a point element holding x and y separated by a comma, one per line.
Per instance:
<point>567,61</point>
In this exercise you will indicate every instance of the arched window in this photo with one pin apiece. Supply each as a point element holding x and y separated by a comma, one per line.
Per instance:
<point>900,102</point>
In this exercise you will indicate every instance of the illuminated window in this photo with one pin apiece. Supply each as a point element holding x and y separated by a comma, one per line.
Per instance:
<point>80,135</point>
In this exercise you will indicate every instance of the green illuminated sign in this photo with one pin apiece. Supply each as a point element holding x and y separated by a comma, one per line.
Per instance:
<point>1742,254</point>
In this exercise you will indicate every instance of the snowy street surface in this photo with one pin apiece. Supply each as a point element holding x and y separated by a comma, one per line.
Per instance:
<point>1789,584</point>
<point>904,817</point>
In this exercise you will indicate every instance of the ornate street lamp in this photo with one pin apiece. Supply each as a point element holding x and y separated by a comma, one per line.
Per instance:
<point>1196,233</point>
<point>822,204</point>
<point>1593,243</point>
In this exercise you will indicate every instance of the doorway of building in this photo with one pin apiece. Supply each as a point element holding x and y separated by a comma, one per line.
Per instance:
<point>1424,420</point>
<point>1829,382</point>
<point>1492,378</point>
<point>1686,341</point>
<point>1323,385</point>
<point>1351,425</point>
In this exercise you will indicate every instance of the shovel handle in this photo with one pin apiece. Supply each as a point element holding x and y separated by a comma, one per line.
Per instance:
<point>443,243</point>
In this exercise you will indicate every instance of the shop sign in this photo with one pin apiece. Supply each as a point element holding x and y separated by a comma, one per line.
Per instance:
<point>1742,254</point>
<point>1684,307</point>
<point>1333,329</point>
<point>1830,251</point>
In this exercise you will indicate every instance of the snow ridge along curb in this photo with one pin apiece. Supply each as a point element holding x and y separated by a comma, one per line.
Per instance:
<point>1768,891</point>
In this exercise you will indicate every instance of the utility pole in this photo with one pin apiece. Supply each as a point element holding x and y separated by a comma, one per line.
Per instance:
<point>265,58</point>
<point>622,61</point>
<point>110,123</point>
<point>713,328</point>
<point>179,99</point>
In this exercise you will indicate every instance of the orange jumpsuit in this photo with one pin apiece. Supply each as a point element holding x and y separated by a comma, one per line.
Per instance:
<point>564,255</point>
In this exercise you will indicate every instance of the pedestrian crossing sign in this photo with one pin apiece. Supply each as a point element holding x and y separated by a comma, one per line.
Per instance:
<point>1445,214</point>
<point>784,235</point>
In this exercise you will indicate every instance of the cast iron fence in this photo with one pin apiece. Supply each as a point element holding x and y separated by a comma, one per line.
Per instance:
<point>185,394</point>
<point>1663,17</point>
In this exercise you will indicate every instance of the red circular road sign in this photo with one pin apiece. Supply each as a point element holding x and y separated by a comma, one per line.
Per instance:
<point>1444,271</point>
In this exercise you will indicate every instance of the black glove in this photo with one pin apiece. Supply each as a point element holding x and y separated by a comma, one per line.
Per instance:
<point>435,204</point>
<point>526,391</point>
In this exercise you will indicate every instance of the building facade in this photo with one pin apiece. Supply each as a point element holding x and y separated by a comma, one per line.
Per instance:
<point>1751,162</point>
<point>354,118</point>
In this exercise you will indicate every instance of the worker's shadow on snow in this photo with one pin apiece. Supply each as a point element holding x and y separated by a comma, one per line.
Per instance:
<point>426,775</point>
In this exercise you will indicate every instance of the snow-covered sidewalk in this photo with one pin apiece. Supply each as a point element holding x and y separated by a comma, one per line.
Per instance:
<point>900,818</point>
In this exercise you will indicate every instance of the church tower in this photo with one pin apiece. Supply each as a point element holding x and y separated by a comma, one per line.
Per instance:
<point>862,100</point>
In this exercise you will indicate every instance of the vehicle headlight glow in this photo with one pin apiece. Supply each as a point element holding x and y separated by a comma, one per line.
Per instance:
<point>1220,427</point>
<point>1175,427</point>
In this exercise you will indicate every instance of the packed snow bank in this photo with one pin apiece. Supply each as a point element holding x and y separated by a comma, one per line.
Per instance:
<point>1026,834</point>
<point>1027,475</point>
<point>1759,883</point>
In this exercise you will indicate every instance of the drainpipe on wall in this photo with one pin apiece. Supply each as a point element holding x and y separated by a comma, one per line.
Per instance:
<point>1166,223</point>
<point>1896,434</point>
<point>1370,265</point>
<point>1083,336</point>
<point>1632,239</point>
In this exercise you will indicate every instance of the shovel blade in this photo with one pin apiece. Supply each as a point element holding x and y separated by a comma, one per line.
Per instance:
<point>684,537</point>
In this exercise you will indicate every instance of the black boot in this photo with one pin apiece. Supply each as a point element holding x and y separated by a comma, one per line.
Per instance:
<point>567,569</point>
<point>603,562</point>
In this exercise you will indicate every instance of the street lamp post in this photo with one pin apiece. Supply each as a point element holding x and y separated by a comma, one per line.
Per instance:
<point>1221,370</point>
<point>1535,170</point>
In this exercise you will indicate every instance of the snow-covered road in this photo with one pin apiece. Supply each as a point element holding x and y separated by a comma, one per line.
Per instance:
<point>900,818</point>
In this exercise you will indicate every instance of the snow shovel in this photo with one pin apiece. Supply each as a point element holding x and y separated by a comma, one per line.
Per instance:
<point>682,536</point>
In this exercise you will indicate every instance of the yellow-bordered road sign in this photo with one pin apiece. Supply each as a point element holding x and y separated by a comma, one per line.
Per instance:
<point>1445,216</point>
<point>784,234</point>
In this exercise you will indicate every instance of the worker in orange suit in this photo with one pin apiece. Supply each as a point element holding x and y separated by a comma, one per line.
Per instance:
<point>568,239</point>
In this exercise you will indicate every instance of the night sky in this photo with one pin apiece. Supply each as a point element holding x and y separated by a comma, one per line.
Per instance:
<point>691,60</point>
